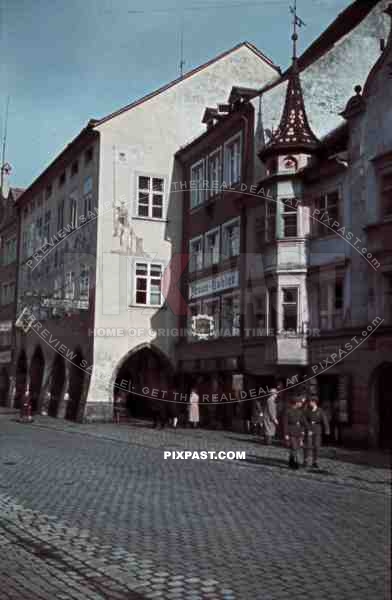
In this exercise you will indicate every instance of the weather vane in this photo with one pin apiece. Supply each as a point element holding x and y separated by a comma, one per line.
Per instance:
<point>297,22</point>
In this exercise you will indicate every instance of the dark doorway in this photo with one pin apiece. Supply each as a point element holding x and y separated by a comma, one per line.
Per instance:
<point>56,385</point>
<point>4,386</point>
<point>36,374</point>
<point>21,378</point>
<point>76,382</point>
<point>145,368</point>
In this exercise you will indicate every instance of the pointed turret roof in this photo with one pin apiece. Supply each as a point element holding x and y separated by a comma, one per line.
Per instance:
<point>294,133</point>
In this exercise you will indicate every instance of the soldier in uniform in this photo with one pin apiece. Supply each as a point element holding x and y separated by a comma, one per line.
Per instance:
<point>315,419</point>
<point>294,430</point>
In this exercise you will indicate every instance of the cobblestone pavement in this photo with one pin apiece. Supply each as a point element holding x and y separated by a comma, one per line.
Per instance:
<point>94,511</point>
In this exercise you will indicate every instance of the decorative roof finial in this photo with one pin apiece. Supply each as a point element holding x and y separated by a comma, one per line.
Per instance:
<point>294,133</point>
<point>297,22</point>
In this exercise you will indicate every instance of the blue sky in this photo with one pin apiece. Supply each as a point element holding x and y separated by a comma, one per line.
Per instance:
<point>65,61</point>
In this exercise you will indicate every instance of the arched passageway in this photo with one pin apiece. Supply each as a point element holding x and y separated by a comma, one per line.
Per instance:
<point>21,378</point>
<point>4,386</point>
<point>76,385</point>
<point>145,368</point>
<point>383,405</point>
<point>36,374</point>
<point>57,380</point>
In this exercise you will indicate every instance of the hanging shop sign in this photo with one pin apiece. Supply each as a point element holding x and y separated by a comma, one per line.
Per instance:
<point>203,326</point>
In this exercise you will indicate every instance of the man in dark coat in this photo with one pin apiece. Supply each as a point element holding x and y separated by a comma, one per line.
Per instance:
<point>294,430</point>
<point>315,419</point>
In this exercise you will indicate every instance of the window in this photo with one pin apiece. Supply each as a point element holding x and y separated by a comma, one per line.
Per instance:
<point>231,315</point>
<point>231,238</point>
<point>74,168</point>
<point>290,308</point>
<point>88,195</point>
<point>73,210</point>
<point>60,215</point>
<point>233,160</point>
<point>57,288</point>
<point>150,197</point>
<point>197,184</point>
<point>212,309</point>
<point>331,302</point>
<point>62,179</point>
<point>270,220</point>
<point>259,316</point>
<point>70,285</point>
<point>386,194</point>
<point>272,310</point>
<point>148,284</point>
<point>84,282</point>
<point>196,252</point>
<point>46,227</point>
<point>88,155</point>
<point>328,205</point>
<point>211,248</point>
<point>289,215</point>
<point>49,190</point>
<point>214,172</point>
<point>9,251</point>
<point>387,280</point>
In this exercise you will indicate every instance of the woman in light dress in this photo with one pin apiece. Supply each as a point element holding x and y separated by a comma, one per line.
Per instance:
<point>194,408</point>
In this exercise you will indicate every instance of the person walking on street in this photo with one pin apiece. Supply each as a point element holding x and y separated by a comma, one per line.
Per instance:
<point>294,425</point>
<point>194,416</point>
<point>270,416</point>
<point>315,420</point>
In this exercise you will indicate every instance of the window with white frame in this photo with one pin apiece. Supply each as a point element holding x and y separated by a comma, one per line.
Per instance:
<point>211,247</point>
<point>148,284</point>
<point>290,308</point>
<point>233,160</point>
<point>290,217</point>
<point>84,282</point>
<point>150,192</point>
<point>212,309</point>
<point>69,287</point>
<point>196,252</point>
<point>197,184</point>
<point>231,315</point>
<point>215,172</point>
<point>327,204</point>
<point>270,220</point>
<point>331,300</point>
<point>231,238</point>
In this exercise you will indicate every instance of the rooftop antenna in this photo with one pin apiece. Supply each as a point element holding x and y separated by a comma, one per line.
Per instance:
<point>182,61</point>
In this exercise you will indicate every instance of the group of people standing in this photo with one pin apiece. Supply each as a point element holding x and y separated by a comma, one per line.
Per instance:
<point>303,423</point>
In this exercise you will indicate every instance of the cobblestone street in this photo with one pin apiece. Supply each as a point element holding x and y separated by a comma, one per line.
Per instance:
<point>94,511</point>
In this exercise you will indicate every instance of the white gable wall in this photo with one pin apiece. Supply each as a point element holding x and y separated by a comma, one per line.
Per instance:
<point>149,135</point>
